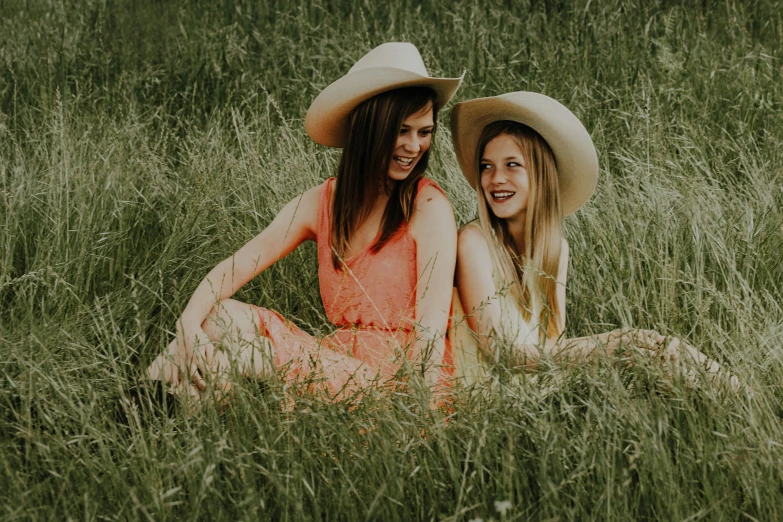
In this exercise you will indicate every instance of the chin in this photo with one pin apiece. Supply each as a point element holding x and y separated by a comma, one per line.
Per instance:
<point>506,213</point>
<point>398,175</point>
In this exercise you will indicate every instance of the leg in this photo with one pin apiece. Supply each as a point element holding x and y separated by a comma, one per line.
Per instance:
<point>651,343</point>
<point>687,357</point>
<point>236,330</point>
<point>581,349</point>
<point>234,326</point>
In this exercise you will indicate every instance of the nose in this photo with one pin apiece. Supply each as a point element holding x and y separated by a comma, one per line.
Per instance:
<point>498,176</point>
<point>412,143</point>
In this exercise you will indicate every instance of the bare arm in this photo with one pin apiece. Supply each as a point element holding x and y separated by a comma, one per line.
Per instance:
<point>476,287</point>
<point>479,295</point>
<point>562,277</point>
<point>435,231</point>
<point>295,223</point>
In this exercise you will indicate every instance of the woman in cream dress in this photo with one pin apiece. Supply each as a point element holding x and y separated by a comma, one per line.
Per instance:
<point>532,162</point>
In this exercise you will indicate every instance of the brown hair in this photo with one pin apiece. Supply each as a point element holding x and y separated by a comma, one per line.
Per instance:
<point>364,166</point>
<point>532,272</point>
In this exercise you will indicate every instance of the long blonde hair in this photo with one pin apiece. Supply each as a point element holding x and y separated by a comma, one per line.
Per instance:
<point>533,272</point>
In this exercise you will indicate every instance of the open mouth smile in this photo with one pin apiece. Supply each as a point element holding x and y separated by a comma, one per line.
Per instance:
<point>403,162</point>
<point>501,196</point>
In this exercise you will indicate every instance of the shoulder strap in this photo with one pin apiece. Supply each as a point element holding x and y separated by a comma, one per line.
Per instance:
<point>324,210</point>
<point>427,182</point>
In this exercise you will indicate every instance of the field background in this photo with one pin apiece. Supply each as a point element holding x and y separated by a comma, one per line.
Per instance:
<point>142,142</point>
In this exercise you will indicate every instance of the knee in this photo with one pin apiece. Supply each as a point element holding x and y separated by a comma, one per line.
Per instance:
<point>230,313</point>
<point>226,308</point>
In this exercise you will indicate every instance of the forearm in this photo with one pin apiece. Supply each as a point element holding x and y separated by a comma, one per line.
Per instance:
<point>608,343</point>
<point>528,355</point>
<point>507,350</point>
<point>427,356</point>
<point>521,356</point>
<point>575,350</point>
<point>221,283</point>
<point>570,351</point>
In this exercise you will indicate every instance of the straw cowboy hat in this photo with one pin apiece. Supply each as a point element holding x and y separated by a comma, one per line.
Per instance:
<point>575,156</point>
<point>389,66</point>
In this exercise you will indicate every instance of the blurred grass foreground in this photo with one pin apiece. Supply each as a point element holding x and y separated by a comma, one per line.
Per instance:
<point>143,141</point>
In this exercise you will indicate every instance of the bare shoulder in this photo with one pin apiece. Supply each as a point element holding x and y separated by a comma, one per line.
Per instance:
<point>430,199</point>
<point>433,213</point>
<point>470,241</point>
<point>312,196</point>
<point>299,217</point>
<point>564,249</point>
<point>305,203</point>
<point>471,233</point>
<point>474,270</point>
<point>474,261</point>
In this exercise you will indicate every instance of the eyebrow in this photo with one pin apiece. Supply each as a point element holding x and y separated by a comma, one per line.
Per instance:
<point>518,159</point>
<point>404,126</point>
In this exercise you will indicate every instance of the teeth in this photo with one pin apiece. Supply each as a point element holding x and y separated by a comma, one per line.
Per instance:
<point>502,194</point>
<point>403,161</point>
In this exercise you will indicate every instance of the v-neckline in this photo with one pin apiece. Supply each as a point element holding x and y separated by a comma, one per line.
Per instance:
<point>366,246</point>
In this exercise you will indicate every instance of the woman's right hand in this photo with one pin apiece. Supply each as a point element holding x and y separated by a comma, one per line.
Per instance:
<point>195,351</point>
<point>188,349</point>
<point>180,359</point>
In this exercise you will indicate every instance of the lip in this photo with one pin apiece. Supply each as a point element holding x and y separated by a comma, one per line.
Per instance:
<point>400,166</point>
<point>505,195</point>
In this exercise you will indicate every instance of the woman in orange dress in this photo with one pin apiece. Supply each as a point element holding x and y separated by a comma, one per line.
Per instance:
<point>386,241</point>
<point>531,162</point>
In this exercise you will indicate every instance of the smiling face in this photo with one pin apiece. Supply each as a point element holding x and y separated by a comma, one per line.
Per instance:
<point>504,178</point>
<point>412,142</point>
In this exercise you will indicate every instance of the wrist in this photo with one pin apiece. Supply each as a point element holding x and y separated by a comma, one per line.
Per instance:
<point>185,326</point>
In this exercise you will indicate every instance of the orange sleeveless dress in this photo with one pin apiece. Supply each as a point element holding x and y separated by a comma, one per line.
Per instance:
<point>371,299</point>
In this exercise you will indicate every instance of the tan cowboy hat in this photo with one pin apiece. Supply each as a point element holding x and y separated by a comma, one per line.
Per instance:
<point>389,66</point>
<point>577,161</point>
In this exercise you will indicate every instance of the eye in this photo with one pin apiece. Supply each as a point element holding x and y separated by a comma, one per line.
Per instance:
<point>513,164</point>
<point>484,166</point>
<point>426,132</point>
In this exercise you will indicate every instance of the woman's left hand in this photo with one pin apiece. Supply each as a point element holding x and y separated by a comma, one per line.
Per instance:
<point>166,368</point>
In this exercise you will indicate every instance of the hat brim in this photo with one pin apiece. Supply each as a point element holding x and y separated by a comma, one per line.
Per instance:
<point>326,121</point>
<point>575,155</point>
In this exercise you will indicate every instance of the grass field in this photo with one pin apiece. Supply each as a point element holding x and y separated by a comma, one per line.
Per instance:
<point>142,142</point>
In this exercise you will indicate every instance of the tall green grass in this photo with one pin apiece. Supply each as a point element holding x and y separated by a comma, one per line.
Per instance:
<point>142,142</point>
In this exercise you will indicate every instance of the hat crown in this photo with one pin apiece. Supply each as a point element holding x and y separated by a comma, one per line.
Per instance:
<point>399,55</point>
<point>389,66</point>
